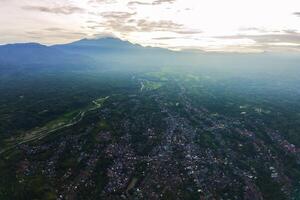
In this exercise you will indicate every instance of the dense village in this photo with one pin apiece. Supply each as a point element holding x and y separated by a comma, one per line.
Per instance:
<point>175,150</point>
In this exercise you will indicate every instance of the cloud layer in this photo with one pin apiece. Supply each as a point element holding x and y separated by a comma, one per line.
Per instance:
<point>66,10</point>
<point>209,25</point>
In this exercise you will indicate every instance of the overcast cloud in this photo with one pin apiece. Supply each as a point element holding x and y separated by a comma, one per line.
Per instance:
<point>209,25</point>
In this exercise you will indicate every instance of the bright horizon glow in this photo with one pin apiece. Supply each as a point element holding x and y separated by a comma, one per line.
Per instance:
<point>208,25</point>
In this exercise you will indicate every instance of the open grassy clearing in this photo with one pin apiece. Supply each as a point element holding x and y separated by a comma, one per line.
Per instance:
<point>66,120</point>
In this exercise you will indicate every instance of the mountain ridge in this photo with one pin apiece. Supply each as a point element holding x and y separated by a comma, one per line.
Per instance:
<point>82,52</point>
<point>115,53</point>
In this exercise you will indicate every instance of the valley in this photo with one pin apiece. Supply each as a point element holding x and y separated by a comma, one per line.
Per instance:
<point>165,141</point>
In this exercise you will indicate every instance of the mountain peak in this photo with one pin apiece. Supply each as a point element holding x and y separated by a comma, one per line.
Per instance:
<point>102,42</point>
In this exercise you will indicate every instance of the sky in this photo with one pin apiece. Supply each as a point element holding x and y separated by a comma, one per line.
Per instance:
<point>205,25</point>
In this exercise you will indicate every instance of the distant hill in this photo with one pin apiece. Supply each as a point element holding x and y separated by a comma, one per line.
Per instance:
<point>101,45</point>
<point>34,54</point>
<point>114,53</point>
<point>85,52</point>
